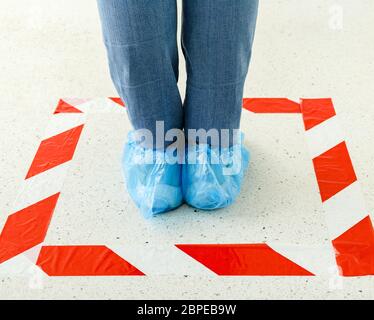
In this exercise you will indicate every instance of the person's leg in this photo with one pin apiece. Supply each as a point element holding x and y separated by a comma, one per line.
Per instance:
<point>217,41</point>
<point>140,37</point>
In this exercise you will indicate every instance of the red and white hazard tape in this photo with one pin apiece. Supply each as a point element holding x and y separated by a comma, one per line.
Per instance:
<point>348,221</point>
<point>351,230</point>
<point>25,229</point>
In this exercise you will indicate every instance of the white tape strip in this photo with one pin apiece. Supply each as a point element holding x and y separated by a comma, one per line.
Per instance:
<point>345,209</point>
<point>101,105</point>
<point>62,122</point>
<point>161,259</point>
<point>324,136</point>
<point>319,260</point>
<point>41,186</point>
<point>33,253</point>
<point>75,102</point>
<point>22,264</point>
<point>19,265</point>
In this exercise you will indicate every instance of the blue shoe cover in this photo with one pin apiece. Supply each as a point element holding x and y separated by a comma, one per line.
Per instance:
<point>212,177</point>
<point>152,182</point>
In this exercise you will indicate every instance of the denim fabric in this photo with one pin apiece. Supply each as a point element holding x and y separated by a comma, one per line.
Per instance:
<point>217,36</point>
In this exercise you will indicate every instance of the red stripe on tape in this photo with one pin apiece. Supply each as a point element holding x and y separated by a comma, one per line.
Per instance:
<point>64,107</point>
<point>334,171</point>
<point>84,261</point>
<point>316,111</point>
<point>355,249</point>
<point>243,260</point>
<point>55,151</point>
<point>118,101</point>
<point>271,105</point>
<point>26,228</point>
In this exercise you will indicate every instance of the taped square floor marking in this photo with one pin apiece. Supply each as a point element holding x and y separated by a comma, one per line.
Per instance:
<point>349,223</point>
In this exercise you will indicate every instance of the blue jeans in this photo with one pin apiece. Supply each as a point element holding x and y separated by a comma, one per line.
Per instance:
<point>141,41</point>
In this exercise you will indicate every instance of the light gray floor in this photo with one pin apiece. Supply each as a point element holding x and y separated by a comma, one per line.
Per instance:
<point>53,49</point>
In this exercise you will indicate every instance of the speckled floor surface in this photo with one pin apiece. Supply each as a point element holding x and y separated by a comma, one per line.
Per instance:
<point>53,49</point>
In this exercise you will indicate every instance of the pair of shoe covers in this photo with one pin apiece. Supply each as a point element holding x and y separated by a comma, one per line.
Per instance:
<point>210,177</point>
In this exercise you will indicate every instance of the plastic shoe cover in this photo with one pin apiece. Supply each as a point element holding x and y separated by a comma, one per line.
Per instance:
<point>152,182</point>
<point>212,178</point>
